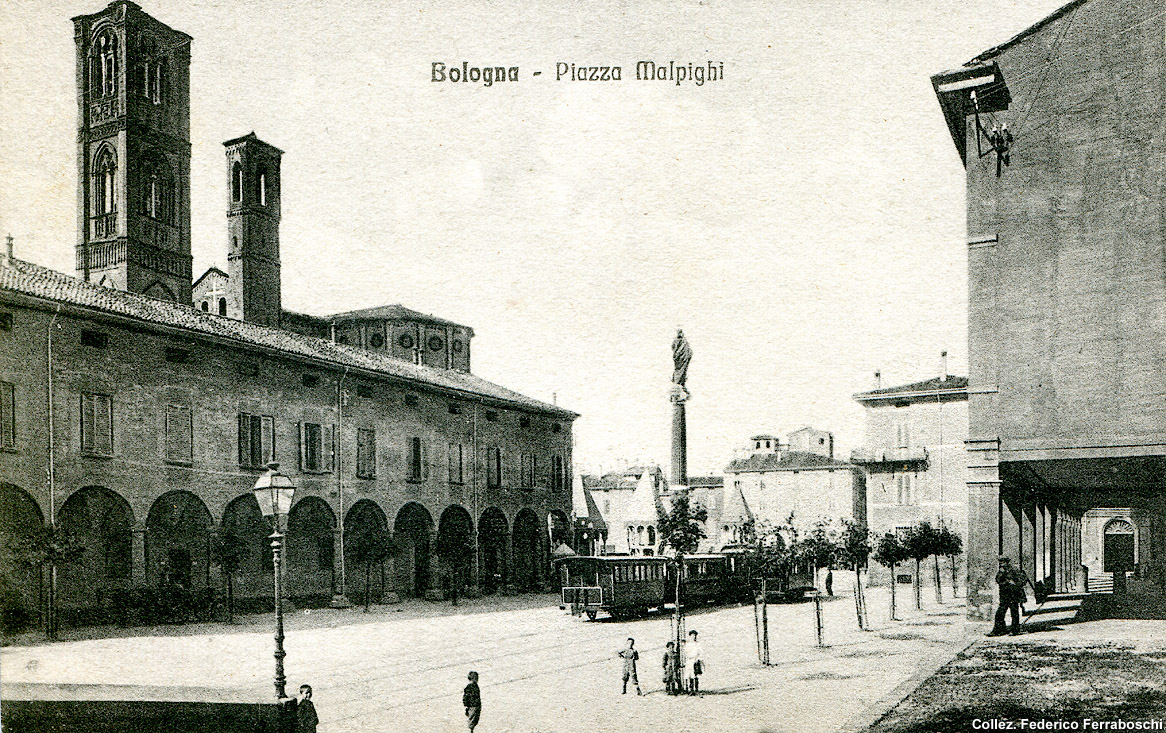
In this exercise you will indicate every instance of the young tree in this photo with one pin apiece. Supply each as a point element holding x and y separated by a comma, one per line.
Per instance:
<point>890,552</point>
<point>920,544</point>
<point>767,557</point>
<point>227,552</point>
<point>949,544</point>
<point>820,547</point>
<point>680,530</point>
<point>48,548</point>
<point>853,552</point>
<point>370,545</point>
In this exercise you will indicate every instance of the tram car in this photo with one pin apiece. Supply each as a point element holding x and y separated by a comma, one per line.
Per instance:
<point>633,585</point>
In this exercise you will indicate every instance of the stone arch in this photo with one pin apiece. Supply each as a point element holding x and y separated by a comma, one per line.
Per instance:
<point>558,528</point>
<point>311,528</point>
<point>493,536</point>
<point>178,529</point>
<point>412,531</point>
<point>256,572</point>
<point>366,530</point>
<point>161,291</point>
<point>103,522</point>
<point>528,552</point>
<point>21,585</point>
<point>455,546</point>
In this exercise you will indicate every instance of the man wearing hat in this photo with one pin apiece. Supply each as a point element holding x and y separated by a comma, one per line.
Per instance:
<point>1011,581</point>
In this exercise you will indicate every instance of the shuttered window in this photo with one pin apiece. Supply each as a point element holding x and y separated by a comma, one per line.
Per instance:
<point>256,440</point>
<point>366,453</point>
<point>7,416</point>
<point>416,460</point>
<point>316,447</point>
<point>97,424</point>
<point>179,434</point>
<point>456,467</point>
<point>494,468</point>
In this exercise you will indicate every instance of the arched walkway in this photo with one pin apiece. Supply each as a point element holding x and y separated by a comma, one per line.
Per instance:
<point>178,541</point>
<point>103,523</point>
<point>455,546</point>
<point>1118,550</point>
<point>527,551</point>
<point>311,535</point>
<point>412,531</point>
<point>20,584</point>
<point>558,528</point>
<point>493,533</point>
<point>243,520</point>
<point>366,547</point>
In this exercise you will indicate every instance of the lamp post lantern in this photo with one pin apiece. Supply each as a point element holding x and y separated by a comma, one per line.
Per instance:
<point>274,491</point>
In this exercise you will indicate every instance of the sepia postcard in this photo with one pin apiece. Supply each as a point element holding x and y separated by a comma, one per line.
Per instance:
<point>699,366</point>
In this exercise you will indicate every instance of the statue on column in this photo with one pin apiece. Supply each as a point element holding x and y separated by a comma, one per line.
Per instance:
<point>681,355</point>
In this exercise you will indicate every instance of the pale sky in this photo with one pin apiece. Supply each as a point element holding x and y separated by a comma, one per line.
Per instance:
<point>803,219</point>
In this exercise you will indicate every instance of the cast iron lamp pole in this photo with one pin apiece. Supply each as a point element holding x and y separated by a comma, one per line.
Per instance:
<point>274,491</point>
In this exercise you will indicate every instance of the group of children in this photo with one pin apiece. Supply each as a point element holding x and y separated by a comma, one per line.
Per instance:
<point>681,673</point>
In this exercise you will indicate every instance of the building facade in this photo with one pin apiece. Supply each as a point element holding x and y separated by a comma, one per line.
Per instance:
<point>914,457</point>
<point>629,505</point>
<point>1067,288</point>
<point>776,483</point>
<point>137,418</point>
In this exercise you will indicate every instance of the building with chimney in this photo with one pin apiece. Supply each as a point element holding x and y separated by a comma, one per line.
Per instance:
<point>777,482</point>
<point>137,410</point>
<point>1060,132</point>
<point>914,457</point>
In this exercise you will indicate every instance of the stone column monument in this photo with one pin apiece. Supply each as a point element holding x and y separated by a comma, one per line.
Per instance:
<point>681,356</point>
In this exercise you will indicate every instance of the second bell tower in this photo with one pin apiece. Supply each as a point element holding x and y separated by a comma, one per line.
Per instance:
<point>253,285</point>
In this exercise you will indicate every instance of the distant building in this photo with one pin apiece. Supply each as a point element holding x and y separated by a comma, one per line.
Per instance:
<point>776,482</point>
<point>629,503</point>
<point>914,457</point>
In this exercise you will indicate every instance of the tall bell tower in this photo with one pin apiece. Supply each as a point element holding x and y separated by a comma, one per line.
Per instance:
<point>253,270</point>
<point>133,152</point>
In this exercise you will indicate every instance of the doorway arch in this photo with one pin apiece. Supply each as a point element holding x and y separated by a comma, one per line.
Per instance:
<point>455,545</point>
<point>178,541</point>
<point>1118,547</point>
<point>412,531</point>
<point>527,550</point>
<point>493,533</point>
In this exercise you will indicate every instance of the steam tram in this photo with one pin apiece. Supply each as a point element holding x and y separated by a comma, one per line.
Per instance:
<point>627,585</point>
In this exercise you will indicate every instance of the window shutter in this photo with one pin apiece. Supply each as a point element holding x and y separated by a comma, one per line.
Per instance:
<point>87,422</point>
<point>303,445</point>
<point>424,459</point>
<point>103,410</point>
<point>267,439</point>
<point>330,446</point>
<point>244,440</point>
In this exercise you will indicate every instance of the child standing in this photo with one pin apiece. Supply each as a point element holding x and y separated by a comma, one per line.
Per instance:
<point>670,685</point>
<point>472,701</point>
<point>306,719</point>
<point>629,656</point>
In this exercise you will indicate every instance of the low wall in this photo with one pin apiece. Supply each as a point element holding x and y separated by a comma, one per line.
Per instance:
<point>39,708</point>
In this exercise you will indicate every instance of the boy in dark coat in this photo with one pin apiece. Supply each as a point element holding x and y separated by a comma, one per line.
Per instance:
<point>306,719</point>
<point>472,701</point>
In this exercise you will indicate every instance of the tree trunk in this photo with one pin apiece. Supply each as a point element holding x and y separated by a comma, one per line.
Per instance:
<point>757,625</point>
<point>917,586</point>
<point>367,585</point>
<point>765,622</point>
<point>953,579</point>
<point>938,587</point>
<point>859,601</point>
<point>894,582</point>
<point>230,599</point>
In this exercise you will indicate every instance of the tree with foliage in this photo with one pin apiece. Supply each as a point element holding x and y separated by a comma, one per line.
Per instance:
<point>767,557</point>
<point>370,544</point>
<point>47,548</point>
<point>949,544</point>
<point>680,530</point>
<point>227,552</point>
<point>853,552</point>
<point>820,547</point>
<point>890,552</point>
<point>919,543</point>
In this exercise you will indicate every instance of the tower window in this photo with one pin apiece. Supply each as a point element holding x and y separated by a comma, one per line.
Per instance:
<point>103,64</point>
<point>158,195</point>
<point>104,169</point>
<point>237,182</point>
<point>261,182</point>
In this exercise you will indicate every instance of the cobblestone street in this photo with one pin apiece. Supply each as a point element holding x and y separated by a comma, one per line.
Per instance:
<point>541,669</point>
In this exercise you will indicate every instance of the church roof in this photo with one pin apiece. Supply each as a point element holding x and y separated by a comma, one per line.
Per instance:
<point>35,281</point>
<point>395,311</point>
<point>794,460</point>
<point>209,271</point>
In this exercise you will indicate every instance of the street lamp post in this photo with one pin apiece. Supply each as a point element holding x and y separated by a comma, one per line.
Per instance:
<point>274,491</point>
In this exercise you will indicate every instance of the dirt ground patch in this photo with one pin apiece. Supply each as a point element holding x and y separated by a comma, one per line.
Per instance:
<point>1035,680</point>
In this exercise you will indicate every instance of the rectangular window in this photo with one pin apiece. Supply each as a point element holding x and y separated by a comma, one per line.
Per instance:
<point>179,434</point>
<point>526,470</point>
<point>316,447</point>
<point>256,440</point>
<point>903,435</point>
<point>5,321</point>
<point>904,489</point>
<point>97,424</point>
<point>7,416</point>
<point>494,468</point>
<point>456,475</point>
<point>366,453</point>
<point>416,461</point>
<point>559,478</point>
<point>95,339</point>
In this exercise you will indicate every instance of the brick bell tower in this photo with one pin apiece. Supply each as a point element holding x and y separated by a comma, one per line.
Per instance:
<point>133,152</point>
<point>253,285</point>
